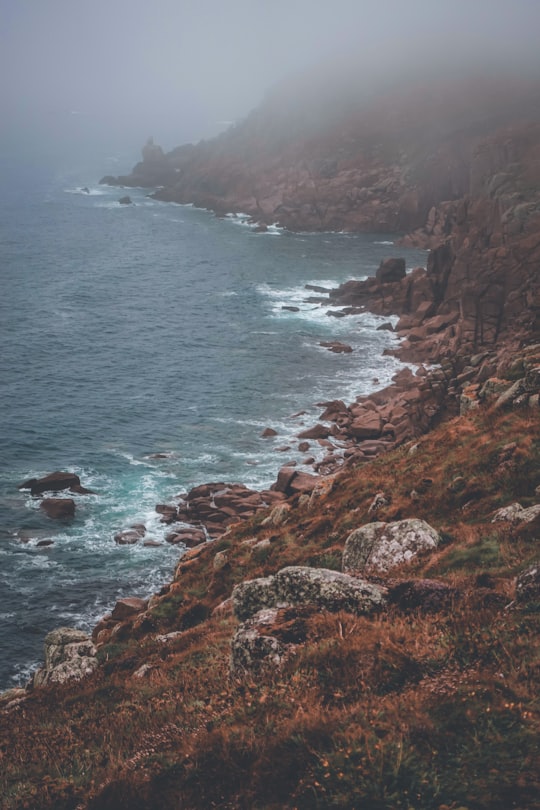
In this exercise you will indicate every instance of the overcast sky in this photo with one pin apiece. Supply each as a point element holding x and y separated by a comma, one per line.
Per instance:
<point>178,68</point>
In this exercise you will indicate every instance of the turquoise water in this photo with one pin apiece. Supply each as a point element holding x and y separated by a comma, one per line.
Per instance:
<point>152,328</point>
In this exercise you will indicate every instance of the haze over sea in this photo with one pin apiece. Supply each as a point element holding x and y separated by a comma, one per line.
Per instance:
<point>152,328</point>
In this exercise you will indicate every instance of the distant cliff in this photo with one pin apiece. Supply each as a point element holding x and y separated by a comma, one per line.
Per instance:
<point>453,162</point>
<point>312,158</point>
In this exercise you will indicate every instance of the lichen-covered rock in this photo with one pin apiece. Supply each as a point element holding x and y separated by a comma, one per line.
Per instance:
<point>327,590</point>
<point>516,513</point>
<point>252,649</point>
<point>278,515</point>
<point>300,585</point>
<point>69,653</point>
<point>253,595</point>
<point>379,547</point>
<point>528,584</point>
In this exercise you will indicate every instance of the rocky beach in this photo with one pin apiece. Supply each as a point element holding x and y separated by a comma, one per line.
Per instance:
<point>365,626</point>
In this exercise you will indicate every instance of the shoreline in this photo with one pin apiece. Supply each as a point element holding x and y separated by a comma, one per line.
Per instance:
<point>288,482</point>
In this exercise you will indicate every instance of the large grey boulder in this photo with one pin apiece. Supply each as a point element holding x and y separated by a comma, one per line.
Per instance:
<point>300,585</point>
<point>378,547</point>
<point>69,653</point>
<point>328,590</point>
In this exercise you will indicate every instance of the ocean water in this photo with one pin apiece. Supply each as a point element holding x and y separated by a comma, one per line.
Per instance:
<point>152,328</point>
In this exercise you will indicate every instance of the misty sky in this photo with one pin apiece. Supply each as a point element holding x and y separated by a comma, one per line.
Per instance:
<point>177,69</point>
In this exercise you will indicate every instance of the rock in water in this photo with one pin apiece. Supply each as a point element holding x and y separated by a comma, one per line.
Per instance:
<point>58,508</point>
<point>55,482</point>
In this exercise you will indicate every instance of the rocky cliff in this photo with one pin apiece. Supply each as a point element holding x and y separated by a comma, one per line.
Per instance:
<point>367,636</point>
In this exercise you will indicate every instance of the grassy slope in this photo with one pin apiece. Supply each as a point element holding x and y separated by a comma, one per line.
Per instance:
<point>406,710</point>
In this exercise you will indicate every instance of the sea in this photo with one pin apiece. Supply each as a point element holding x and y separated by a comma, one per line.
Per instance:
<point>146,347</point>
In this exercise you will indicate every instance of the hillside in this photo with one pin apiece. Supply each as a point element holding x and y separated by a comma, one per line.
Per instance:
<point>365,636</point>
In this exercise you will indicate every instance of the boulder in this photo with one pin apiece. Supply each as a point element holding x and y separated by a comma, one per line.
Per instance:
<point>55,482</point>
<point>58,508</point>
<point>278,515</point>
<point>316,432</point>
<point>303,482</point>
<point>128,608</point>
<point>390,270</point>
<point>268,433</point>
<point>379,547</point>
<point>129,537</point>
<point>188,537</point>
<point>367,426</point>
<point>515,513</point>
<point>69,654</point>
<point>336,347</point>
<point>125,200</point>
<point>167,511</point>
<point>328,590</point>
<point>320,588</point>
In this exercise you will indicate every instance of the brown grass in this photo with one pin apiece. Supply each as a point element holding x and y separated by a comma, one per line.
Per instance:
<point>406,710</point>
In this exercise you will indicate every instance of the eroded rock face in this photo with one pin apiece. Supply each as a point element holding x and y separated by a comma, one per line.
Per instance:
<point>379,547</point>
<point>300,585</point>
<point>69,653</point>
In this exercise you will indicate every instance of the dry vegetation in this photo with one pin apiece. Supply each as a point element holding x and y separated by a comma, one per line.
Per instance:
<point>406,710</point>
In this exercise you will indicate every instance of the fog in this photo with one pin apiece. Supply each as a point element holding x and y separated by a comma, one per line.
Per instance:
<point>115,71</point>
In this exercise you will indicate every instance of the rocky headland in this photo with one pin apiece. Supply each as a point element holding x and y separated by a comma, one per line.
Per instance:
<point>364,632</point>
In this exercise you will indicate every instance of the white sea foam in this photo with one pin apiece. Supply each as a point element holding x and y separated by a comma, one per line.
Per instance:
<point>87,191</point>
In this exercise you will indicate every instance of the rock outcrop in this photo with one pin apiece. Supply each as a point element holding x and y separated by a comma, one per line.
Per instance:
<point>69,654</point>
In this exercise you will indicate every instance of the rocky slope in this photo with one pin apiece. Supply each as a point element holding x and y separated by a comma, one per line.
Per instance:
<point>366,635</point>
